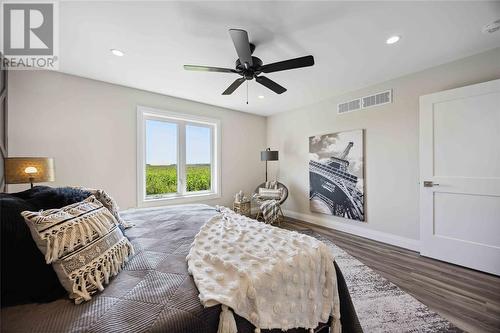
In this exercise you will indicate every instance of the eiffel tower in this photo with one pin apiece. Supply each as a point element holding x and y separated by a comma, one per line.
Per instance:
<point>334,187</point>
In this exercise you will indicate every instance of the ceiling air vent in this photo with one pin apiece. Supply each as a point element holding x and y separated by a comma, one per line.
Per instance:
<point>349,106</point>
<point>377,99</point>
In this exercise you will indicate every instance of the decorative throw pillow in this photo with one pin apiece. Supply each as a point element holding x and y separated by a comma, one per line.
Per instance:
<point>270,194</point>
<point>83,243</point>
<point>108,202</point>
<point>21,260</point>
<point>45,197</point>
<point>271,184</point>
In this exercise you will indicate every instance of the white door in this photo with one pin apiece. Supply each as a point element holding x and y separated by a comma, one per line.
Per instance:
<point>460,176</point>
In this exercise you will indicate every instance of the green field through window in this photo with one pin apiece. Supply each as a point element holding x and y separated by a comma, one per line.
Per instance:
<point>162,179</point>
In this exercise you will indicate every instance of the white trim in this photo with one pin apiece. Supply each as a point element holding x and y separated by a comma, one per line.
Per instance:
<point>178,200</point>
<point>181,161</point>
<point>176,115</point>
<point>407,243</point>
<point>140,178</point>
<point>182,120</point>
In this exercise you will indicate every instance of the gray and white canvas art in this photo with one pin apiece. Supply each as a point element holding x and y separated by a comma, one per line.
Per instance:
<point>336,174</point>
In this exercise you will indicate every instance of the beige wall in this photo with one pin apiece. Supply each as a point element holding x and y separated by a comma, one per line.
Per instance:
<point>89,127</point>
<point>391,147</point>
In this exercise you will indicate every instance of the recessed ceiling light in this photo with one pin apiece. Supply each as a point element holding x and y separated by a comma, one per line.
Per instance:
<point>392,40</point>
<point>117,53</point>
<point>261,96</point>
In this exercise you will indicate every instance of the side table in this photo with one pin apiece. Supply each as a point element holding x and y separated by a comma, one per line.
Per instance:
<point>243,208</point>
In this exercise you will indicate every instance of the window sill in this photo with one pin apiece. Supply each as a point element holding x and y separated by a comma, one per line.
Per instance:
<point>178,199</point>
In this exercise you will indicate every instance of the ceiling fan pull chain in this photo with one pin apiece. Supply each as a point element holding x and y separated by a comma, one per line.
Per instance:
<point>247,92</point>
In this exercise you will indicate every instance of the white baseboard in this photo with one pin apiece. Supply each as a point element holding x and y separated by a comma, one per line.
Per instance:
<point>407,243</point>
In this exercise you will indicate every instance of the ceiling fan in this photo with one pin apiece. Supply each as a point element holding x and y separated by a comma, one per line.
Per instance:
<point>250,67</point>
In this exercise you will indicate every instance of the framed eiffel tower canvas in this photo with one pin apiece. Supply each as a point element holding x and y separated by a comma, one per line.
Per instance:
<point>336,174</point>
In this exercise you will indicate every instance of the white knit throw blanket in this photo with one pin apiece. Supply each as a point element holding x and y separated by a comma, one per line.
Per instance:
<point>272,277</point>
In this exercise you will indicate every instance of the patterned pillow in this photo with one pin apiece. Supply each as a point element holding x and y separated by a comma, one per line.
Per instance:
<point>268,194</point>
<point>271,184</point>
<point>83,243</point>
<point>108,202</point>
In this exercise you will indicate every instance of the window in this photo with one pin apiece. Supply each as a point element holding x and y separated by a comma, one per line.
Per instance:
<point>161,157</point>
<point>178,157</point>
<point>198,157</point>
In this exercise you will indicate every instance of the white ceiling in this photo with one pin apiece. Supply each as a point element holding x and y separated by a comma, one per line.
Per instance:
<point>347,40</point>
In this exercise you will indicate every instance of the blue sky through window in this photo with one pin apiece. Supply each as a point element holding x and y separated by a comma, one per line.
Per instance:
<point>197,145</point>
<point>161,143</point>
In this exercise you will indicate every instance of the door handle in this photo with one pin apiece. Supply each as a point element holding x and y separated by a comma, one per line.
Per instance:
<point>429,183</point>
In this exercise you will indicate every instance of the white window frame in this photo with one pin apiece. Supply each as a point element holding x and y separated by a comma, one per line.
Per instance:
<point>145,113</point>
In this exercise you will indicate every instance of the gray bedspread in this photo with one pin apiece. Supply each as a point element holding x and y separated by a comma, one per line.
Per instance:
<point>154,292</point>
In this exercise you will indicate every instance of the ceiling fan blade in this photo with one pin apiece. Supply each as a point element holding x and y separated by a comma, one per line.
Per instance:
<point>268,83</point>
<point>288,64</point>
<point>233,86</point>
<point>208,69</point>
<point>242,46</point>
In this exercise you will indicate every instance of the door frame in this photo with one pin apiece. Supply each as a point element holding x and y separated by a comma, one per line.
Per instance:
<point>4,123</point>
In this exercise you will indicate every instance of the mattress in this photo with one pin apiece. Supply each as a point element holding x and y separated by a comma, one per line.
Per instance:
<point>154,292</point>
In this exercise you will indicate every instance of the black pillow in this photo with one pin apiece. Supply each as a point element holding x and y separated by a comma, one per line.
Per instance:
<point>45,197</point>
<point>25,277</point>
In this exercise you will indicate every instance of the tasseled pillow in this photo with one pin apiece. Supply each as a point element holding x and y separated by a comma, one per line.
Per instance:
<point>270,194</point>
<point>83,243</point>
<point>108,202</point>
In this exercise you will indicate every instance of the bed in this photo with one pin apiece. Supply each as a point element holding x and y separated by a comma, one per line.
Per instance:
<point>154,292</point>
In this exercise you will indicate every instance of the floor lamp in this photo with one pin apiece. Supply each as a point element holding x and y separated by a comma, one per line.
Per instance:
<point>268,155</point>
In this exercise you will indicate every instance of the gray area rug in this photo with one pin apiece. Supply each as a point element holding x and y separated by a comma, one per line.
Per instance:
<point>382,306</point>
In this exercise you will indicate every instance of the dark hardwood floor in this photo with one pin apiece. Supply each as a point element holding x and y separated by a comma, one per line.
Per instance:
<point>467,298</point>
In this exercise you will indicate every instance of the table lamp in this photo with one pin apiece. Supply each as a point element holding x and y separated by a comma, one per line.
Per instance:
<point>268,155</point>
<point>21,170</point>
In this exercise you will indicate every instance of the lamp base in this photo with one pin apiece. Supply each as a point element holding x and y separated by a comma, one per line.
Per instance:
<point>266,171</point>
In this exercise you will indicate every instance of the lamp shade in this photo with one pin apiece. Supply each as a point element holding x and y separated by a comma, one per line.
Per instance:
<point>269,155</point>
<point>20,170</point>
